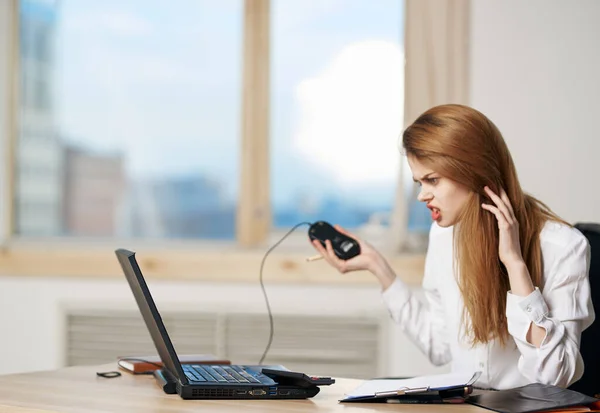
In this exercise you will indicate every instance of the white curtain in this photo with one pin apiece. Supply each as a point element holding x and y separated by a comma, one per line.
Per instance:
<point>436,50</point>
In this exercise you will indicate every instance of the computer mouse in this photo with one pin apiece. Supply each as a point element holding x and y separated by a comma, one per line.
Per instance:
<point>344,246</point>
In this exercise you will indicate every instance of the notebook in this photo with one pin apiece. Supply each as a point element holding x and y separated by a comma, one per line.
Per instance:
<point>201,381</point>
<point>149,363</point>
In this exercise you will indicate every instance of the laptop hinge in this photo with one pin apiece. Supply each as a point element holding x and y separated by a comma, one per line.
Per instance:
<point>165,381</point>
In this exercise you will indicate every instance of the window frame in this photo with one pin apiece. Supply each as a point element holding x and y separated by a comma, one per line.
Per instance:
<point>177,260</point>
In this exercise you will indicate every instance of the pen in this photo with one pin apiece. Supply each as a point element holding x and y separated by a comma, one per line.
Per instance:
<point>401,391</point>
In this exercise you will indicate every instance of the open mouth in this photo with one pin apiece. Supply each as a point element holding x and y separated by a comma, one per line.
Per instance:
<point>435,213</point>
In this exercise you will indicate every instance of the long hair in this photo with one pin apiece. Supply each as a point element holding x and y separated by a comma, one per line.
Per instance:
<point>462,144</point>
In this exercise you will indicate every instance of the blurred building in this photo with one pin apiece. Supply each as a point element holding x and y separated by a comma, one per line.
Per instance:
<point>182,207</point>
<point>38,169</point>
<point>93,187</point>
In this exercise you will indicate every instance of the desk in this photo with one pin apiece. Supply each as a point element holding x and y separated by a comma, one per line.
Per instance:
<point>78,389</point>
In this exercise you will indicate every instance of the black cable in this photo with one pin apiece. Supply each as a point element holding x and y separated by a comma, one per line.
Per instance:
<point>262,286</point>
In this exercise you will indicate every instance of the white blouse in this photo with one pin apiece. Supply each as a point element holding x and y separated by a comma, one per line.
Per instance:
<point>564,308</point>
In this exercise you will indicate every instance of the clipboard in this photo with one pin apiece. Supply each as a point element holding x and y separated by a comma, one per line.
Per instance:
<point>444,388</point>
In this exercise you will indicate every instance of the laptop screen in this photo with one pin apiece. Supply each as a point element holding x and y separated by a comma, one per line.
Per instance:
<point>150,313</point>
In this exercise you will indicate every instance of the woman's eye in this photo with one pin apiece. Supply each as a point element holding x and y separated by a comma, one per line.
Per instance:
<point>432,181</point>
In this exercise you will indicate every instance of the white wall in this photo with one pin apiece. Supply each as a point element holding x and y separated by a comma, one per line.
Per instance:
<point>535,71</point>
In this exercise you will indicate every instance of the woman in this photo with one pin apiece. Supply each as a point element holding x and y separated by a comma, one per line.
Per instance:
<point>506,280</point>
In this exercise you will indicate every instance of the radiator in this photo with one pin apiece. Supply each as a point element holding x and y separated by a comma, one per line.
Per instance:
<point>339,346</point>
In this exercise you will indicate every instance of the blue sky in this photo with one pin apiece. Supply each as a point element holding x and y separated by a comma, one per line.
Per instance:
<point>160,81</point>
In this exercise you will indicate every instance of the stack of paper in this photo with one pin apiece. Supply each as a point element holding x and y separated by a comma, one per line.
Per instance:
<point>434,382</point>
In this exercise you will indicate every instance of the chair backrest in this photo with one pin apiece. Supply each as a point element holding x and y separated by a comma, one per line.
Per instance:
<point>590,339</point>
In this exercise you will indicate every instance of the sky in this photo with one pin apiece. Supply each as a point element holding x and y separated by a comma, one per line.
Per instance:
<point>161,82</point>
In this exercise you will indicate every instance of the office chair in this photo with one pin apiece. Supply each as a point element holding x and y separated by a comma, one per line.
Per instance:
<point>590,339</point>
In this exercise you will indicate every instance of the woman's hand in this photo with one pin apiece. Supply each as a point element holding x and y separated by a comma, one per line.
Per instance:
<point>509,249</point>
<point>367,260</point>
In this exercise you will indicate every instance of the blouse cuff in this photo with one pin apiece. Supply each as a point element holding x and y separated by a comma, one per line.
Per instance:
<point>522,311</point>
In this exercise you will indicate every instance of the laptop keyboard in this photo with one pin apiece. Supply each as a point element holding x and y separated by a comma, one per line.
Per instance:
<point>219,374</point>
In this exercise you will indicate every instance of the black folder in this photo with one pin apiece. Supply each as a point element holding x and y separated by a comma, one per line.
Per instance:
<point>533,397</point>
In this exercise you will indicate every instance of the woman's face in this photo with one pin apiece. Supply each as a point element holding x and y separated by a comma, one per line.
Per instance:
<point>444,197</point>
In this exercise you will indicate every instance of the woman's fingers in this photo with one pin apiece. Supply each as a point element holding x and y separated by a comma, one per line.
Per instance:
<point>345,232</point>
<point>329,255</point>
<point>501,206</point>
<point>337,262</point>
<point>506,200</point>
<point>502,221</point>
<point>319,247</point>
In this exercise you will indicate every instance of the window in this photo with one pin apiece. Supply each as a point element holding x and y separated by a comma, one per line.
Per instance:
<point>128,119</point>
<point>139,138</point>
<point>337,109</point>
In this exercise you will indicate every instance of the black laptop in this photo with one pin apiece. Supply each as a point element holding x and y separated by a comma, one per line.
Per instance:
<point>194,381</point>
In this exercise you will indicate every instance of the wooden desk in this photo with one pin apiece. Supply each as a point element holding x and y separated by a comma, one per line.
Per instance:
<point>78,389</point>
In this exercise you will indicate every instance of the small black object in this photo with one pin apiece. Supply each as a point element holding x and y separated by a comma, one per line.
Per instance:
<point>293,378</point>
<point>343,246</point>
<point>108,374</point>
<point>165,381</point>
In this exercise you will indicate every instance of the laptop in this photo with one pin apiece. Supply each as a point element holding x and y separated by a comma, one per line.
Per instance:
<point>202,381</point>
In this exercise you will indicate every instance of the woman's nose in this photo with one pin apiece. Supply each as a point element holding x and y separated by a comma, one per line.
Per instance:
<point>424,195</point>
